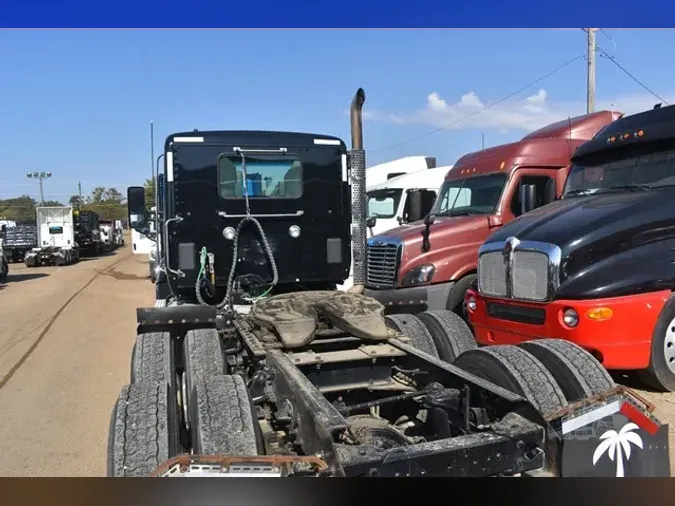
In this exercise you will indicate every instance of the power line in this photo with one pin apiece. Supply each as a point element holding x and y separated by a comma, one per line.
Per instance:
<point>623,69</point>
<point>503,99</point>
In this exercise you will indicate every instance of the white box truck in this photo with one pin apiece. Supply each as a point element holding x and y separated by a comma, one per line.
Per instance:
<point>56,238</point>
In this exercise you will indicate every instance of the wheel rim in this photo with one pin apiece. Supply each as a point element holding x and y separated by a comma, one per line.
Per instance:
<point>669,346</point>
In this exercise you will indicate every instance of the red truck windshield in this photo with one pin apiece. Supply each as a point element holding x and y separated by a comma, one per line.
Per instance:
<point>646,170</point>
<point>473,195</point>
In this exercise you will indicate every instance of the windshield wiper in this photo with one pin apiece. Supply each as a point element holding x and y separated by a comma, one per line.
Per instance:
<point>630,186</point>
<point>450,213</point>
<point>578,191</point>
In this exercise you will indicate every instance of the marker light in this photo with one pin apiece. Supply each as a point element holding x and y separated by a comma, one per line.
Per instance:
<point>471,304</point>
<point>599,313</point>
<point>294,231</point>
<point>229,233</point>
<point>570,317</point>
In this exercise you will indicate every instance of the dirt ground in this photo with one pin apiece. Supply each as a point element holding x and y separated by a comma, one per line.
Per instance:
<point>61,370</point>
<point>66,335</point>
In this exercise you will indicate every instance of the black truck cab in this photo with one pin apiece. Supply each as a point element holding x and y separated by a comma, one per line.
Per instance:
<point>279,201</point>
<point>595,267</point>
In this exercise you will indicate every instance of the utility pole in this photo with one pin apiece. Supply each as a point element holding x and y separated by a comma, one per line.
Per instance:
<point>590,76</point>
<point>79,191</point>
<point>152,159</point>
<point>482,141</point>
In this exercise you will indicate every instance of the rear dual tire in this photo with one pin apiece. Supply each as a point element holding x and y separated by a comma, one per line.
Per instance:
<point>145,426</point>
<point>441,333</point>
<point>549,373</point>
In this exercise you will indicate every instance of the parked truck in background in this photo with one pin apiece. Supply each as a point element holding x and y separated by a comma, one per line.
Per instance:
<point>430,264</point>
<point>106,229</point>
<point>4,265</point>
<point>118,233</point>
<point>87,233</point>
<point>56,238</point>
<point>18,239</point>
<point>596,267</point>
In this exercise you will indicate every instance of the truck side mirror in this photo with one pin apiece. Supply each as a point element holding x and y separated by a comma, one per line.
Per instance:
<point>370,223</point>
<point>136,207</point>
<point>551,191</point>
<point>528,198</point>
<point>419,204</point>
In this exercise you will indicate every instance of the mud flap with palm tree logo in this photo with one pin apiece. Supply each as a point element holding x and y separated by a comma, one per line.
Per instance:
<point>612,436</point>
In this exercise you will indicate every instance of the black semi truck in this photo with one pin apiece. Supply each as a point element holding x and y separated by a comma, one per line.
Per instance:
<point>87,233</point>
<point>252,362</point>
<point>596,267</point>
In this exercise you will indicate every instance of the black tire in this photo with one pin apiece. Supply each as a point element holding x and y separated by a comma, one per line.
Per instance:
<point>4,269</point>
<point>411,326</point>
<point>658,375</point>
<point>455,301</point>
<point>449,331</point>
<point>143,430</point>
<point>518,371</point>
<point>579,374</point>
<point>203,354</point>
<point>223,420</point>
<point>153,360</point>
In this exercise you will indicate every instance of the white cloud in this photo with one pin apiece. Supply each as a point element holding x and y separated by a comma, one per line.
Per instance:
<point>530,113</point>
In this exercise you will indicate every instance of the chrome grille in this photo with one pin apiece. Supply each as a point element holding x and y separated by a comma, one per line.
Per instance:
<point>530,275</point>
<point>382,264</point>
<point>492,274</point>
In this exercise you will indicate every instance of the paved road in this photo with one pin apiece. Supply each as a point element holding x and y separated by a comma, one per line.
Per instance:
<point>61,369</point>
<point>55,407</point>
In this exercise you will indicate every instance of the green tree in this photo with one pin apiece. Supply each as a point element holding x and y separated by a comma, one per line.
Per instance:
<point>18,209</point>
<point>52,203</point>
<point>108,203</point>
<point>76,201</point>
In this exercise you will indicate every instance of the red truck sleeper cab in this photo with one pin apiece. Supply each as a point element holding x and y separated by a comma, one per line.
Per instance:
<point>480,194</point>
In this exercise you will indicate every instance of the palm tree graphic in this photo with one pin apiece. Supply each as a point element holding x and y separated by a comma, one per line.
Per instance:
<point>616,444</point>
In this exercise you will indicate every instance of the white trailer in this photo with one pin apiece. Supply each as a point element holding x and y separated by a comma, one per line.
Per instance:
<point>56,238</point>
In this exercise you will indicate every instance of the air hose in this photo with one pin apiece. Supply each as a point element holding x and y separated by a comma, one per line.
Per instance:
<point>231,280</point>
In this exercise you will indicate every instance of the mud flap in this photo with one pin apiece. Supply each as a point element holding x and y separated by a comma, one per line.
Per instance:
<point>612,436</point>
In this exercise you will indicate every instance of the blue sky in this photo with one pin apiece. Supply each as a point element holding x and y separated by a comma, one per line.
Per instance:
<point>79,103</point>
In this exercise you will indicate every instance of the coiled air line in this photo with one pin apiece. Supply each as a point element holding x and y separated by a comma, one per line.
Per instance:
<point>231,280</point>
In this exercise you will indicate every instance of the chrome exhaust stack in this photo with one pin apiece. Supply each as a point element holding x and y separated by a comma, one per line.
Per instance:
<point>357,167</point>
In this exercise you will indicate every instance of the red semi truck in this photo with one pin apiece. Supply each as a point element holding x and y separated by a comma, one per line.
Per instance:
<point>431,264</point>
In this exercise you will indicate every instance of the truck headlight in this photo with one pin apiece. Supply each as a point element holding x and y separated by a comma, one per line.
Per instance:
<point>570,317</point>
<point>420,275</point>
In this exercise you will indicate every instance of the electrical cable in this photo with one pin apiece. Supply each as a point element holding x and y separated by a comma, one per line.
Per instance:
<point>234,283</point>
<point>623,69</point>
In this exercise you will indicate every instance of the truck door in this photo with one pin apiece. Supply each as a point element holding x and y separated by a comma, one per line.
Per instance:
<point>542,179</point>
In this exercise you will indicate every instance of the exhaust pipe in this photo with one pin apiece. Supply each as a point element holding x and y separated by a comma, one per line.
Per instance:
<point>357,167</point>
